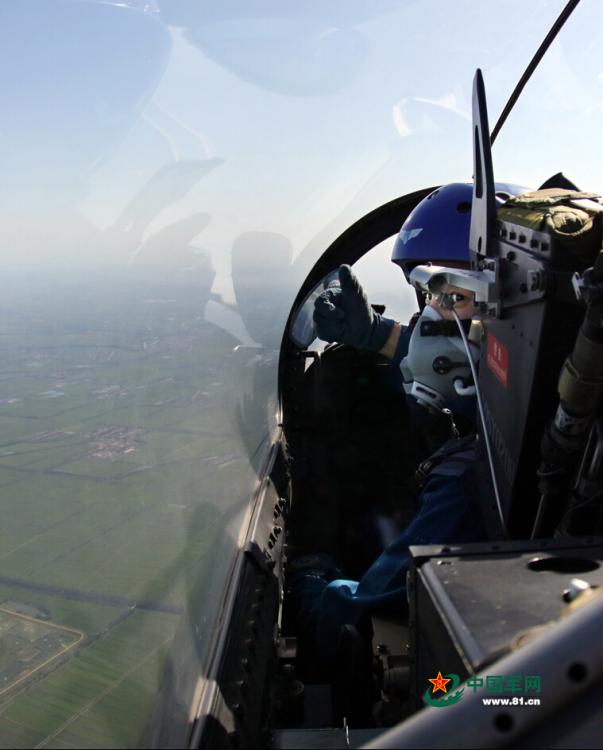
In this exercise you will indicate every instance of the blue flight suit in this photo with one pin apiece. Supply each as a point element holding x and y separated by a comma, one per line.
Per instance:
<point>447,514</point>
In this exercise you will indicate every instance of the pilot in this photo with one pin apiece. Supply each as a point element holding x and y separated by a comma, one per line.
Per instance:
<point>437,230</point>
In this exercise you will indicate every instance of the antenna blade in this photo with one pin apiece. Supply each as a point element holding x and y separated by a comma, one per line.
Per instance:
<point>483,206</point>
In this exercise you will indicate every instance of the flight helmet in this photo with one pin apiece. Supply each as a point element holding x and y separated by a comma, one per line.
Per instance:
<point>437,230</point>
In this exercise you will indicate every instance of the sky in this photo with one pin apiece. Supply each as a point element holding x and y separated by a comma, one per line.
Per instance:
<point>314,115</point>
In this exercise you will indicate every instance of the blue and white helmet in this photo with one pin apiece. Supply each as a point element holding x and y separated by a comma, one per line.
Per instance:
<point>437,230</point>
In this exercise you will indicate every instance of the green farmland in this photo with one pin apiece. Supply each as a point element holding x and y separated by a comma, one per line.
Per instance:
<point>118,474</point>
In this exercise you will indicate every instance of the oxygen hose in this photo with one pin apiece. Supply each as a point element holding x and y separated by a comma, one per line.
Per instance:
<point>482,415</point>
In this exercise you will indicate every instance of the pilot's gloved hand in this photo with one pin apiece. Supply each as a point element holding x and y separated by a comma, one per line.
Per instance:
<point>343,314</point>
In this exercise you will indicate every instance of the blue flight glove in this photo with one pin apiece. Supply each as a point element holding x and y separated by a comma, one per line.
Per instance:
<point>343,314</point>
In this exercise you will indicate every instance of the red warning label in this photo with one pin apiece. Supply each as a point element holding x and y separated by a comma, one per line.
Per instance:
<point>498,359</point>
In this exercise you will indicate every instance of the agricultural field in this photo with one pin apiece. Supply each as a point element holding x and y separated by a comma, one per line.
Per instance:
<point>120,469</point>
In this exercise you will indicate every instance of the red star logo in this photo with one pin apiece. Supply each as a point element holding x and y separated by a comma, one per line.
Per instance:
<point>439,683</point>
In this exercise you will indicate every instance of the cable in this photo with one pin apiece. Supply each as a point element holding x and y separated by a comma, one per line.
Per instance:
<point>540,52</point>
<point>482,416</point>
